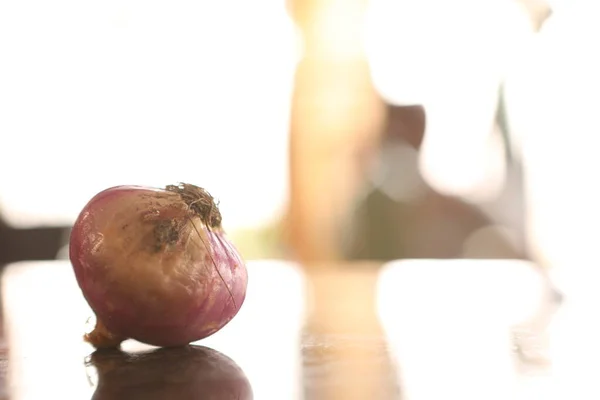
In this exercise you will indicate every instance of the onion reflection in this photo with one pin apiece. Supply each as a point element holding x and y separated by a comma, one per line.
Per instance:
<point>191,372</point>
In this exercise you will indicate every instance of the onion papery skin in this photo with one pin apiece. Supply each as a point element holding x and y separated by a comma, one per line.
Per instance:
<point>155,265</point>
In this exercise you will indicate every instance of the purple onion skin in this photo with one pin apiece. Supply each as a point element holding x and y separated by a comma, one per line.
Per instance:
<point>152,269</point>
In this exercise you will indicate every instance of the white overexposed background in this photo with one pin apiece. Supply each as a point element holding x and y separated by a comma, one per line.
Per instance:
<point>96,94</point>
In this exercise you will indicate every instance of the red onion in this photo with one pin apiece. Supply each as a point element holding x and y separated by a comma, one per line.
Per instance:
<point>156,266</point>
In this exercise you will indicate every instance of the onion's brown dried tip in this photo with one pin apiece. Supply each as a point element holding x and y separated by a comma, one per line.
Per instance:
<point>156,266</point>
<point>102,338</point>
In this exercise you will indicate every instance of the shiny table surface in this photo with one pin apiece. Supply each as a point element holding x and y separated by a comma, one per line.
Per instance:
<point>404,330</point>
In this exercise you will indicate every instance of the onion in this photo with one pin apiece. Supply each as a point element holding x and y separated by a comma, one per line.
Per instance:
<point>191,372</point>
<point>155,265</point>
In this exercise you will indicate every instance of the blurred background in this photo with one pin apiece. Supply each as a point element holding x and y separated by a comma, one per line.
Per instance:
<point>329,130</point>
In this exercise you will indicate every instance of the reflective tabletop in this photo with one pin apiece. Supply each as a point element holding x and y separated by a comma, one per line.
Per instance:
<point>414,329</point>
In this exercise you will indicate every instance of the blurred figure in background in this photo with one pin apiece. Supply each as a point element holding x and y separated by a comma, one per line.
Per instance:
<point>400,96</point>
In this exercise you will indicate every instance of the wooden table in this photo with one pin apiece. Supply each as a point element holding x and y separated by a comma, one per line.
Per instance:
<point>405,330</point>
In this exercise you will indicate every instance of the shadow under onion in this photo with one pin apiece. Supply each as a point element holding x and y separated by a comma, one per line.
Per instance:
<point>190,372</point>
